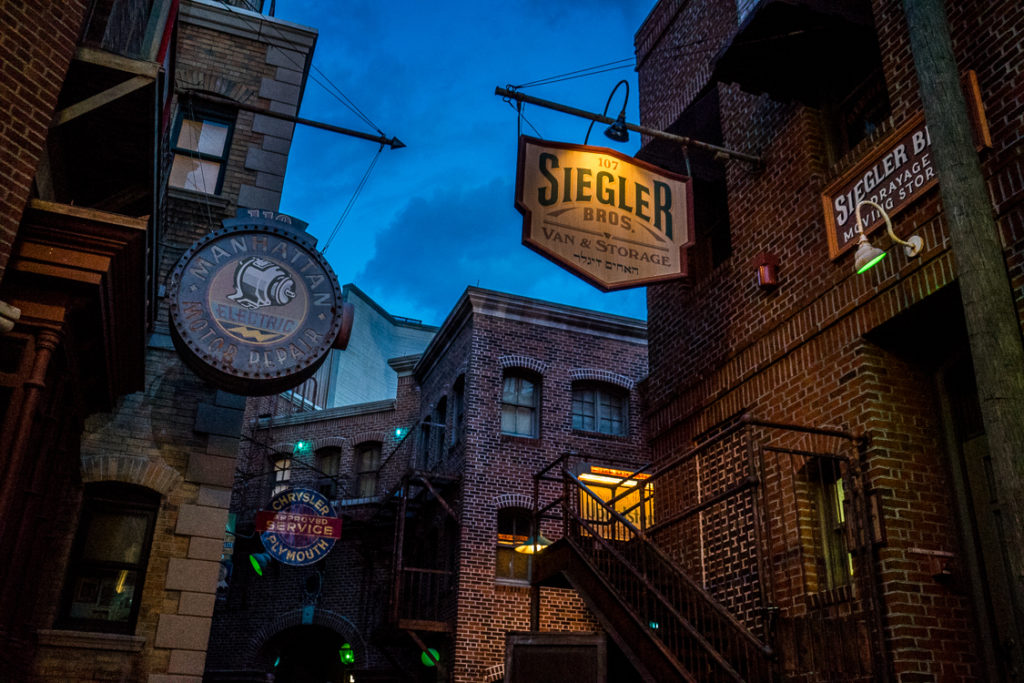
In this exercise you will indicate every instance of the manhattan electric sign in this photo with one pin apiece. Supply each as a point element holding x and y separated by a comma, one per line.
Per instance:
<point>612,220</point>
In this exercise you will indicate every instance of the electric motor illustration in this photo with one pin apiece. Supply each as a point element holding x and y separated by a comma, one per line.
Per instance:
<point>259,283</point>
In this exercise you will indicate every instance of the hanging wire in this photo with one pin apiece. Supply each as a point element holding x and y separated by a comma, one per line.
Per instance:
<point>326,83</point>
<point>520,117</point>
<point>579,73</point>
<point>352,199</point>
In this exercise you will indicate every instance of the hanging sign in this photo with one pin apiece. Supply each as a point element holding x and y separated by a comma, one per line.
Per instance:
<point>614,221</point>
<point>254,308</point>
<point>299,528</point>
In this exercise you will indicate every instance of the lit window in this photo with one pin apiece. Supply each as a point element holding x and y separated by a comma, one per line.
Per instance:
<point>600,408</point>
<point>327,462</point>
<point>519,401</point>
<point>621,490</point>
<point>108,565</point>
<point>835,564</point>
<point>513,530</point>
<point>367,464</point>
<point>202,140</point>
<point>282,474</point>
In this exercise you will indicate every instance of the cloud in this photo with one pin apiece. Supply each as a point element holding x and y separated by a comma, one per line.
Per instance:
<point>438,245</point>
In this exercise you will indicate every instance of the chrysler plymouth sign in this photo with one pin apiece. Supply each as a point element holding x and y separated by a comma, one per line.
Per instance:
<point>612,220</point>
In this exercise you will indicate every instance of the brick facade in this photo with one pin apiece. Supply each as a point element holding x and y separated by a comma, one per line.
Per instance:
<point>476,470</point>
<point>866,354</point>
<point>93,392</point>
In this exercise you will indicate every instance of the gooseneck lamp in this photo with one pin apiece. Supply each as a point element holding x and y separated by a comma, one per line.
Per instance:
<point>867,254</point>
<point>617,131</point>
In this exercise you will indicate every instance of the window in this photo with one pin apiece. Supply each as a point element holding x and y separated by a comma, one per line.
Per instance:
<point>835,563</point>
<point>622,491</point>
<point>367,464</point>
<point>108,562</point>
<point>519,403</point>
<point>282,474</point>
<point>201,142</point>
<point>440,421</point>
<point>513,530</point>
<point>600,408</point>
<point>853,115</point>
<point>459,408</point>
<point>327,462</point>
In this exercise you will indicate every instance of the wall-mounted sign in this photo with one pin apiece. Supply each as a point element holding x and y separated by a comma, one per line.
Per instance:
<point>254,308</point>
<point>894,174</point>
<point>299,528</point>
<point>898,172</point>
<point>612,220</point>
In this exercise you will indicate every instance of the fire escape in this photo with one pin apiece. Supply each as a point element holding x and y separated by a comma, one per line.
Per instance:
<point>420,510</point>
<point>734,561</point>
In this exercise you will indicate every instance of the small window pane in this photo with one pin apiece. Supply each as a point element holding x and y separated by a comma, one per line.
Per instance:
<point>115,538</point>
<point>519,407</point>
<point>205,137</point>
<point>195,174</point>
<point>104,594</point>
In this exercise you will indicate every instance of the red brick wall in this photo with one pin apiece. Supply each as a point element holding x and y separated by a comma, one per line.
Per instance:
<point>36,46</point>
<point>720,346</point>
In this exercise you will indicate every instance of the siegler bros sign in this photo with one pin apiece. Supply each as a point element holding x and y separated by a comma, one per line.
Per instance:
<point>896,173</point>
<point>299,528</point>
<point>612,220</point>
<point>254,308</point>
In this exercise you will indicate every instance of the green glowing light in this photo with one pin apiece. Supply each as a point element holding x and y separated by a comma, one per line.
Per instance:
<point>430,657</point>
<point>653,624</point>
<point>399,432</point>
<point>346,655</point>
<point>259,561</point>
<point>870,264</point>
<point>302,447</point>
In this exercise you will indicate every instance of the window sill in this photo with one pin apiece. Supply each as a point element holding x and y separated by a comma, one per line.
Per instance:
<point>600,435</point>
<point>194,196</point>
<point>519,437</point>
<point>91,640</point>
<point>831,596</point>
<point>517,584</point>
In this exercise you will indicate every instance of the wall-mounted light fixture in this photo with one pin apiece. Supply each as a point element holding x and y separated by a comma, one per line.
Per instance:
<point>767,270</point>
<point>868,255</point>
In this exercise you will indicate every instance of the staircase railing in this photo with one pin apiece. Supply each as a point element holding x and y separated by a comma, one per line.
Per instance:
<point>700,633</point>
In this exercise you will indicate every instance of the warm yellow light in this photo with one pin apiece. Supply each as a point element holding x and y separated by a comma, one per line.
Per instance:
<point>601,479</point>
<point>120,581</point>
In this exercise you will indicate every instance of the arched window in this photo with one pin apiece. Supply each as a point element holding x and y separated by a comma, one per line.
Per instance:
<point>520,404</point>
<point>601,408</point>
<point>513,530</point>
<point>282,474</point>
<point>328,460</point>
<point>108,561</point>
<point>458,409</point>
<point>367,462</point>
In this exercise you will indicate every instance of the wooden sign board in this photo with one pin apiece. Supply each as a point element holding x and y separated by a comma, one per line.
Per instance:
<point>612,220</point>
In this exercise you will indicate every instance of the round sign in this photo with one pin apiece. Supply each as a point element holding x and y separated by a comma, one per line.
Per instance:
<point>299,528</point>
<point>254,308</point>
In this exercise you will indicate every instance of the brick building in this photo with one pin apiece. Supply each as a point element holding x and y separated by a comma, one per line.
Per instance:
<point>125,136</point>
<point>435,490</point>
<point>823,503</point>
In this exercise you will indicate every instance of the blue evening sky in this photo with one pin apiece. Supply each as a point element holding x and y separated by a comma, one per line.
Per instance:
<point>438,215</point>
